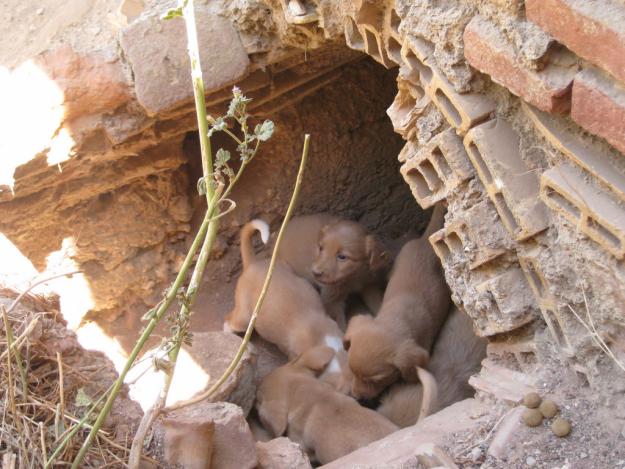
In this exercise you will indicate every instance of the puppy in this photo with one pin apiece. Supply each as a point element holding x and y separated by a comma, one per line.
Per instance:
<point>292,315</point>
<point>398,340</point>
<point>339,257</point>
<point>457,354</point>
<point>326,424</point>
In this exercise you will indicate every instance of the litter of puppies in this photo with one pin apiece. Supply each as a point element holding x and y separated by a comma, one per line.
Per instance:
<point>413,352</point>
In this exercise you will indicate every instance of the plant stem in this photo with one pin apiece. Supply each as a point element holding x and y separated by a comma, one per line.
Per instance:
<point>156,317</point>
<point>18,356</point>
<point>250,328</point>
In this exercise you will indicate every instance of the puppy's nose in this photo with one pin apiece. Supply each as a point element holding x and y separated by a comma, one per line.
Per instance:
<point>317,272</point>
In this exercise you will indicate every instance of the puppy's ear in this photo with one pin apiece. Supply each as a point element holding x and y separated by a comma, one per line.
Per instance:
<point>354,324</point>
<point>408,357</point>
<point>378,255</point>
<point>429,397</point>
<point>273,415</point>
<point>316,358</point>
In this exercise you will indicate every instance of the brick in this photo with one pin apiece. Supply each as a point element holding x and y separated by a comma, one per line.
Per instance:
<point>506,303</point>
<point>523,352</point>
<point>409,150</point>
<point>437,169</point>
<point>299,12</point>
<point>502,383</point>
<point>407,106</point>
<point>392,39</point>
<point>566,191</point>
<point>599,107</point>
<point>462,111</point>
<point>582,154</point>
<point>157,52</point>
<point>353,36</point>
<point>556,326</point>
<point>374,45</point>
<point>593,30</point>
<point>487,49</point>
<point>493,148</point>
<point>449,242</point>
<point>401,449</point>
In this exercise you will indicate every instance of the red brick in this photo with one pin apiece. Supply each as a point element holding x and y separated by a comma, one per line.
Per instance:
<point>599,106</point>
<point>486,49</point>
<point>592,29</point>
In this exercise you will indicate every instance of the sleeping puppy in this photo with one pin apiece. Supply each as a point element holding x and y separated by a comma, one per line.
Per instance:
<point>292,315</point>
<point>339,257</point>
<point>326,424</point>
<point>398,340</point>
<point>457,355</point>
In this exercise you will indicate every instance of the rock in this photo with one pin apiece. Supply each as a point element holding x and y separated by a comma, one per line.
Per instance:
<point>213,352</point>
<point>157,52</point>
<point>506,434</point>
<point>232,442</point>
<point>188,442</point>
<point>530,461</point>
<point>281,453</point>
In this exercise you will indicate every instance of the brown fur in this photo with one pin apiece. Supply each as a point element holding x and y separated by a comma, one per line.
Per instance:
<point>339,257</point>
<point>398,340</point>
<point>292,315</point>
<point>457,355</point>
<point>326,424</point>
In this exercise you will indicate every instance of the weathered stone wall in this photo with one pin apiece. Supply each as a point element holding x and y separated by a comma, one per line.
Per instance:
<point>512,112</point>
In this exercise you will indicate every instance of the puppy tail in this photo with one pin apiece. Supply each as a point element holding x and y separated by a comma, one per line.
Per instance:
<point>247,249</point>
<point>429,399</point>
<point>436,221</point>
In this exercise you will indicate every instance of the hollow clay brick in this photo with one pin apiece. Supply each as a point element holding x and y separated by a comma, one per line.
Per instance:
<point>407,106</point>
<point>462,111</point>
<point>523,351</point>
<point>593,30</point>
<point>493,147</point>
<point>556,326</point>
<point>487,49</point>
<point>566,190</point>
<point>374,45</point>
<point>437,169</point>
<point>390,31</point>
<point>409,150</point>
<point>504,384</point>
<point>353,36</point>
<point>592,160</point>
<point>599,106</point>
<point>483,227</point>
<point>512,306</point>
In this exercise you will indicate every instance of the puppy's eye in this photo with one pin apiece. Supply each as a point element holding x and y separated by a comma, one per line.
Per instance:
<point>341,257</point>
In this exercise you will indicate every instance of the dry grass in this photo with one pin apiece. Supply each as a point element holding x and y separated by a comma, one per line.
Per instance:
<point>33,425</point>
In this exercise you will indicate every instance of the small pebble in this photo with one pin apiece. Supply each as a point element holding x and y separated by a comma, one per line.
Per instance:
<point>532,417</point>
<point>531,400</point>
<point>476,454</point>
<point>530,461</point>
<point>583,455</point>
<point>40,11</point>
<point>561,427</point>
<point>548,408</point>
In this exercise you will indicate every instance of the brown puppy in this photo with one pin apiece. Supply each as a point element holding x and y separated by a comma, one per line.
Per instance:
<point>457,354</point>
<point>292,315</point>
<point>339,257</point>
<point>326,424</point>
<point>398,340</point>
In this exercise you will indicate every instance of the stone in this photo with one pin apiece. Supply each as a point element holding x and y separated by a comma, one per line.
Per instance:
<point>157,52</point>
<point>281,453</point>
<point>599,106</point>
<point>487,49</point>
<point>213,352</point>
<point>232,441</point>
<point>188,442</point>
<point>596,34</point>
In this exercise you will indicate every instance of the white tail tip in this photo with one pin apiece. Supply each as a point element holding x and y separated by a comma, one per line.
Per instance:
<point>263,229</point>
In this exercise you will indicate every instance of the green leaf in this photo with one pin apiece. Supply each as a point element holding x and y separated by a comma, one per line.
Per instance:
<point>82,399</point>
<point>201,186</point>
<point>172,13</point>
<point>221,158</point>
<point>265,131</point>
